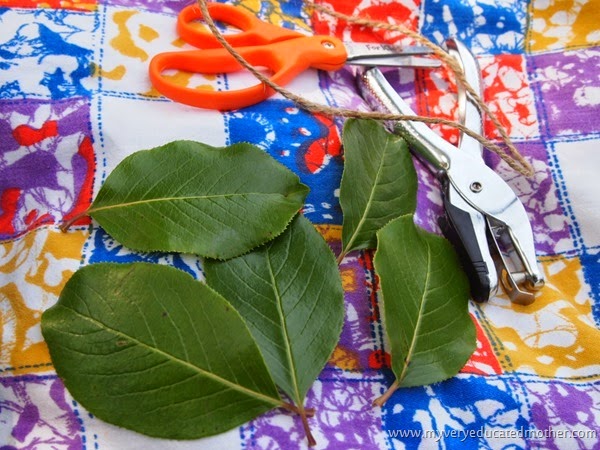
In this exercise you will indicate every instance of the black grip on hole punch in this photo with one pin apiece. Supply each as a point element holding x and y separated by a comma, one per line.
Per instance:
<point>458,229</point>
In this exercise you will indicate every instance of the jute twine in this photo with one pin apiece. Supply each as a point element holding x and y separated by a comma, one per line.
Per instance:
<point>509,154</point>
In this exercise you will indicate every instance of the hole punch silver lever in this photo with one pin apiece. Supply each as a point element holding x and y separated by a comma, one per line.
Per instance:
<point>487,217</point>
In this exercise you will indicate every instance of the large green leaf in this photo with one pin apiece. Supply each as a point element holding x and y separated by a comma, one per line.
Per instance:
<point>290,294</point>
<point>149,348</point>
<point>190,197</point>
<point>378,182</point>
<point>425,299</point>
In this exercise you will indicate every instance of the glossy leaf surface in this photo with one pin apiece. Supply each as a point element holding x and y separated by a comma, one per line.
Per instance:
<point>378,182</point>
<point>425,299</point>
<point>190,197</point>
<point>290,294</point>
<point>149,348</point>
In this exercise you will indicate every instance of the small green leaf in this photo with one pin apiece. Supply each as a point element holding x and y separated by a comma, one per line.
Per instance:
<point>149,348</point>
<point>378,182</point>
<point>425,299</point>
<point>290,294</point>
<point>189,197</point>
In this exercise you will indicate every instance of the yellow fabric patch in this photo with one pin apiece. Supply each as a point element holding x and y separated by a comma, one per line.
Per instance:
<point>556,335</point>
<point>36,267</point>
<point>330,233</point>
<point>558,24</point>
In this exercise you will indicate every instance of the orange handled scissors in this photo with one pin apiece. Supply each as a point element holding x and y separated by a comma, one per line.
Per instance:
<point>284,52</point>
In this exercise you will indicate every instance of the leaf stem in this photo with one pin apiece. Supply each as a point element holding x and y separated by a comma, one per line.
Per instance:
<point>64,227</point>
<point>380,401</point>
<point>304,415</point>
<point>341,257</point>
<point>309,436</point>
<point>310,412</point>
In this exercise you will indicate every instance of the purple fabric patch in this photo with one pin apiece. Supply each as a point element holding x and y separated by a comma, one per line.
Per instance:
<point>566,84</point>
<point>56,426</point>
<point>166,6</point>
<point>344,419</point>
<point>540,198</point>
<point>46,162</point>
<point>564,415</point>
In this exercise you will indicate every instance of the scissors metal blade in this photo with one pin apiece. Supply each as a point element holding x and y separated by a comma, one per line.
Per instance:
<point>365,54</point>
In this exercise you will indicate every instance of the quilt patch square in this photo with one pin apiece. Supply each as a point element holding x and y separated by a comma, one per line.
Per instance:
<point>40,263</point>
<point>563,415</point>
<point>485,27</point>
<point>506,90</point>
<point>465,412</point>
<point>169,7</point>
<point>555,336</point>
<point>307,144</point>
<point>556,24</point>
<point>541,198</point>
<point>567,87</point>
<point>97,434</point>
<point>344,407</point>
<point>28,425</point>
<point>51,53</point>
<point>405,12</point>
<point>127,125</point>
<point>577,171</point>
<point>47,163</point>
<point>131,39</point>
<point>509,96</point>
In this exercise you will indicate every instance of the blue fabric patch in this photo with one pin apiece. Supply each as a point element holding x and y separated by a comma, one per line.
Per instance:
<point>300,141</point>
<point>453,414</point>
<point>485,27</point>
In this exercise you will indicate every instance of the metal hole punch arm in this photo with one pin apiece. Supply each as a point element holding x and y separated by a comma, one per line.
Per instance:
<point>479,204</point>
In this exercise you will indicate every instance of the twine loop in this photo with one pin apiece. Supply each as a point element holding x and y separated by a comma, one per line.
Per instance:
<point>509,154</point>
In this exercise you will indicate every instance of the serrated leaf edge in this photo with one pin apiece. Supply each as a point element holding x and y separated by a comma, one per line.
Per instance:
<point>260,244</point>
<point>301,189</point>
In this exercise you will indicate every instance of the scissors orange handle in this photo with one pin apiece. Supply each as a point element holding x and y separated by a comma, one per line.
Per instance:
<point>253,31</point>
<point>286,59</point>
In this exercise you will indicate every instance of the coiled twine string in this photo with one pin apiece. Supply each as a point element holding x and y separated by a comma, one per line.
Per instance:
<point>509,154</point>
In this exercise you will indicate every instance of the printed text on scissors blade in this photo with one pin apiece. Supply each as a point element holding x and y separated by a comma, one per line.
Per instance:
<point>367,54</point>
<point>397,61</point>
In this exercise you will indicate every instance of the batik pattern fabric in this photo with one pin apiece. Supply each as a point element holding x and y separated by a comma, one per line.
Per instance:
<point>75,100</point>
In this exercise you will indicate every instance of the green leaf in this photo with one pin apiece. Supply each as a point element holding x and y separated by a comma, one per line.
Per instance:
<point>425,299</point>
<point>290,294</point>
<point>149,348</point>
<point>378,183</point>
<point>189,197</point>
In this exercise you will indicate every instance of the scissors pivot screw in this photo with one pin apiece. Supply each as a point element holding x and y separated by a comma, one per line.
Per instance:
<point>476,186</point>
<point>328,45</point>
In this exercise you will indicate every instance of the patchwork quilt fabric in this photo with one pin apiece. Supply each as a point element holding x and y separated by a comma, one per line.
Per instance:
<point>75,100</point>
